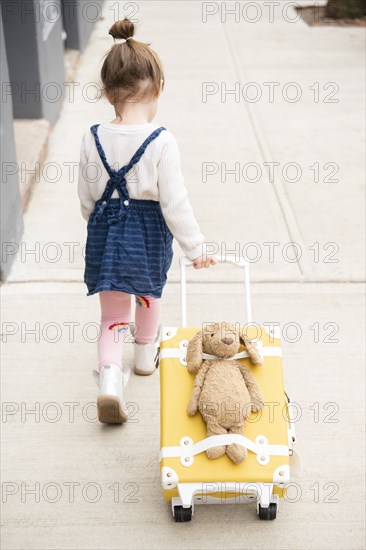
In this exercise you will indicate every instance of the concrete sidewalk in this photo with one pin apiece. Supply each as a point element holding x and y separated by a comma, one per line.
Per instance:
<point>99,486</point>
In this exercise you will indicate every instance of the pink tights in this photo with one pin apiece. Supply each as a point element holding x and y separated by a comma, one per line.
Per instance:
<point>115,319</point>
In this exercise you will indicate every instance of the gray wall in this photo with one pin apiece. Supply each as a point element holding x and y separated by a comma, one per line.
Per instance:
<point>35,53</point>
<point>79,19</point>
<point>10,205</point>
<point>32,61</point>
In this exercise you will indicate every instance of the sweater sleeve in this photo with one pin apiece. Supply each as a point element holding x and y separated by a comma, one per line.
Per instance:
<point>173,198</point>
<point>86,200</point>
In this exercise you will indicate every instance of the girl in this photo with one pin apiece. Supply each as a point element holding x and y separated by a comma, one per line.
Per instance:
<point>132,194</point>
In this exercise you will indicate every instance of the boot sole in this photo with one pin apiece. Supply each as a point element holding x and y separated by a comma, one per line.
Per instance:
<point>144,373</point>
<point>110,410</point>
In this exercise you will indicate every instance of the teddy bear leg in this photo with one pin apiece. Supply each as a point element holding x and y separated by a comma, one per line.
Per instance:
<point>237,453</point>
<point>213,428</point>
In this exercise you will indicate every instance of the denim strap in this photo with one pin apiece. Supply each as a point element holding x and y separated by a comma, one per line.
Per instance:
<point>117,179</point>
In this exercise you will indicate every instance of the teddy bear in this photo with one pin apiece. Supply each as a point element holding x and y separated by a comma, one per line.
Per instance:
<point>225,392</point>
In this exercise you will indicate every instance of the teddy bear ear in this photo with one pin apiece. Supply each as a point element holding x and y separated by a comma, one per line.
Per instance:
<point>254,354</point>
<point>194,352</point>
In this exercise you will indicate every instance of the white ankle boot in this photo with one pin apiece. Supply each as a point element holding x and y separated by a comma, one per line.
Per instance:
<point>111,381</point>
<point>146,355</point>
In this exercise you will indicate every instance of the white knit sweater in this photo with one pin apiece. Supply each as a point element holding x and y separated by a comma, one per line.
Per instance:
<point>157,176</point>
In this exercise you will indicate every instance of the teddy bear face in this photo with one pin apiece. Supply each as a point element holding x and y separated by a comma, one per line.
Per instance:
<point>220,339</point>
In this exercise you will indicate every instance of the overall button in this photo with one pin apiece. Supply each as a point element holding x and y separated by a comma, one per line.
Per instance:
<point>126,202</point>
<point>104,202</point>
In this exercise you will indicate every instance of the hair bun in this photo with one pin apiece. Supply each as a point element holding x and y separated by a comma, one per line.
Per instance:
<point>122,29</point>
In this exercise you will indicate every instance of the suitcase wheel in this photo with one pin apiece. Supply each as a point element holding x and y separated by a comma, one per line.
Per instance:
<point>268,513</point>
<point>182,514</point>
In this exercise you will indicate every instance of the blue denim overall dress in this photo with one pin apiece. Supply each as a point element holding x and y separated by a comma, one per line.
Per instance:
<point>129,245</point>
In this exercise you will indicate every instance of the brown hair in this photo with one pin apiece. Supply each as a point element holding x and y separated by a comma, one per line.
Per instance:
<point>132,70</point>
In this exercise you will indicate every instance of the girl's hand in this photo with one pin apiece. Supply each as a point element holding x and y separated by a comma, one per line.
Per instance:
<point>204,261</point>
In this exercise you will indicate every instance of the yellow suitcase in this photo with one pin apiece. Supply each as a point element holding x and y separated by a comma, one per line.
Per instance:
<point>188,476</point>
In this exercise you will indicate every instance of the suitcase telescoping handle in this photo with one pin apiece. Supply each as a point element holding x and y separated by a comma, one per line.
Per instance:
<point>241,263</point>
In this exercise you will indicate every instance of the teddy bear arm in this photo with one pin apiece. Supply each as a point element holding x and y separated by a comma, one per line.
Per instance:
<point>253,389</point>
<point>197,388</point>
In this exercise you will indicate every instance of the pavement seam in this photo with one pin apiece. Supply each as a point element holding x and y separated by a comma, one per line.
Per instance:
<point>284,203</point>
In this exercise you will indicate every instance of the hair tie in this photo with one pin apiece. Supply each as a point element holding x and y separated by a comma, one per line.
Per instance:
<point>123,39</point>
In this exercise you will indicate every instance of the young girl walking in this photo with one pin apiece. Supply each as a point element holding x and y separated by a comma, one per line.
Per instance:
<point>133,196</point>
